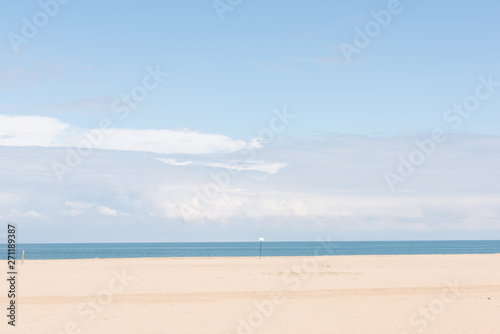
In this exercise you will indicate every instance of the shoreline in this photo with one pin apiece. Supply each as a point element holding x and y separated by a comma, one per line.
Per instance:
<point>253,257</point>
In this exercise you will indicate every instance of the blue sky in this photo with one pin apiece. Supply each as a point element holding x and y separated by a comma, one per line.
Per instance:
<point>324,172</point>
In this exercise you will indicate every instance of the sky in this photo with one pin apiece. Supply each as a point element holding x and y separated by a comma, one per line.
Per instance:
<point>230,120</point>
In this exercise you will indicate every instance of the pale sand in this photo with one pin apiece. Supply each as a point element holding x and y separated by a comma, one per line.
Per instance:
<point>339,294</point>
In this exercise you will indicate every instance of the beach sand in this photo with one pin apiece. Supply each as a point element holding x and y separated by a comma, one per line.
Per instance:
<point>334,294</point>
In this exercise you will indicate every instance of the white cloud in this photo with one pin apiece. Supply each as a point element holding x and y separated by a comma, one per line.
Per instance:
<point>171,141</point>
<point>83,208</point>
<point>32,131</point>
<point>39,131</point>
<point>173,162</point>
<point>357,212</point>
<point>261,166</point>
<point>30,214</point>
<point>78,208</point>
<point>105,211</point>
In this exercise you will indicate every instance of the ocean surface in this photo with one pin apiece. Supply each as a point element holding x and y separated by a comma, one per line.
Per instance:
<point>230,249</point>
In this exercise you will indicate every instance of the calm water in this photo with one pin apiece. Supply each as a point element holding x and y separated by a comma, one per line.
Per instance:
<point>194,249</point>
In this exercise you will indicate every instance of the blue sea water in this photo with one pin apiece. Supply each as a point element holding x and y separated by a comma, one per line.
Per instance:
<point>230,249</point>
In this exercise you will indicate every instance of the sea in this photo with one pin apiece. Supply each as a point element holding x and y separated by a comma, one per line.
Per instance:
<point>234,249</point>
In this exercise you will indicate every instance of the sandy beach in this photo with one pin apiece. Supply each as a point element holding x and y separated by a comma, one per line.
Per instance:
<point>335,294</point>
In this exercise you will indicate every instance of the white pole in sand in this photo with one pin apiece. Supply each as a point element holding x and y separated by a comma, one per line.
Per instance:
<point>260,252</point>
<point>22,260</point>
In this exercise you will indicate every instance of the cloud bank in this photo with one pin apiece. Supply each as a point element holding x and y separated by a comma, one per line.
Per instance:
<point>332,184</point>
